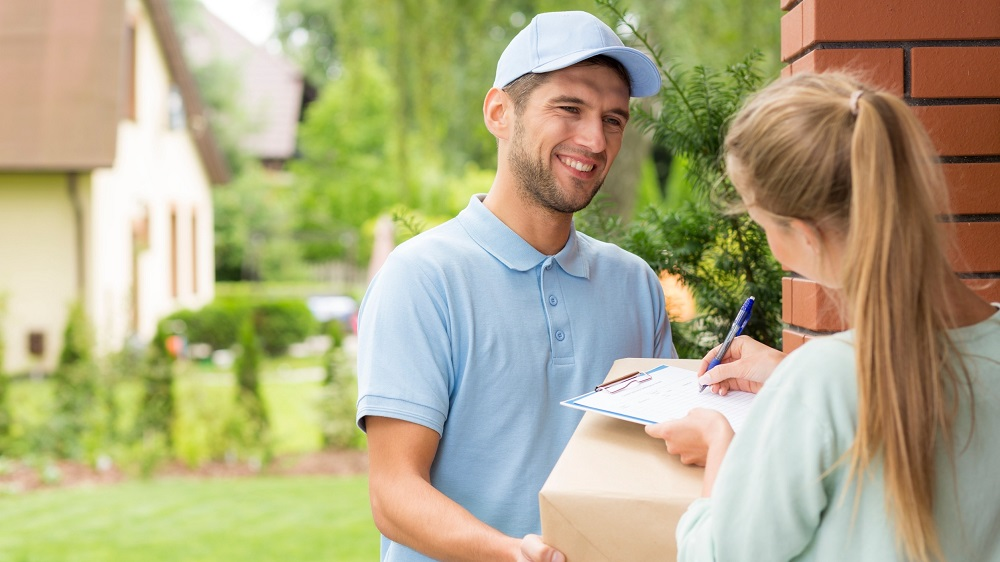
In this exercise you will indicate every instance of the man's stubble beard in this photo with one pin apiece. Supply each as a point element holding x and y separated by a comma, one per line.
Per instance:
<point>537,183</point>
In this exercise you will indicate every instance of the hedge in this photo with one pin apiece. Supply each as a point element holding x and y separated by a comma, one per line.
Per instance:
<point>278,322</point>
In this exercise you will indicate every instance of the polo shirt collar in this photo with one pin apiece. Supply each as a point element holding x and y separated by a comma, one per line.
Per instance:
<point>505,245</point>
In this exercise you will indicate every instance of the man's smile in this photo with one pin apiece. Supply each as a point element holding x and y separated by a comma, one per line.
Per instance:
<point>575,164</point>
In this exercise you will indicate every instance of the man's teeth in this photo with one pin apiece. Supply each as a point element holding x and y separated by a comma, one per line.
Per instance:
<point>577,165</point>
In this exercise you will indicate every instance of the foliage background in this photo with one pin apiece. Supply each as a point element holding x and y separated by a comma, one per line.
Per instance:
<point>397,123</point>
<point>396,128</point>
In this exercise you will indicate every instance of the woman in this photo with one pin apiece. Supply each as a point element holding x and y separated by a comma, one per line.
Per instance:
<point>879,443</point>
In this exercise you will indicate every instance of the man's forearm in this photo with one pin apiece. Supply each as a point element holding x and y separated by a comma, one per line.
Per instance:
<point>409,511</point>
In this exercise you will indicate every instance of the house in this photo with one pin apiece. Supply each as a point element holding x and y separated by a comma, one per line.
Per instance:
<point>271,92</point>
<point>106,169</point>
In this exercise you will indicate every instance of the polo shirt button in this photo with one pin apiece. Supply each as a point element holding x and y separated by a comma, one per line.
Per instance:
<point>548,267</point>
<point>553,300</point>
<point>560,335</point>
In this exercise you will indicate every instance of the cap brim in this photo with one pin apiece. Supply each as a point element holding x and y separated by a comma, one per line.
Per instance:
<point>644,75</point>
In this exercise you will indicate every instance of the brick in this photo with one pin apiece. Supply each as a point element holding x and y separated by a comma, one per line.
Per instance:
<point>912,20</point>
<point>815,307</point>
<point>786,300</point>
<point>974,248</point>
<point>987,289</point>
<point>879,67</point>
<point>963,130</point>
<point>791,340</point>
<point>791,32</point>
<point>955,72</point>
<point>808,23</point>
<point>973,189</point>
<point>786,71</point>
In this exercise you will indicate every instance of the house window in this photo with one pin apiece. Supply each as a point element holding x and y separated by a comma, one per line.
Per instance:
<point>128,77</point>
<point>175,106</point>
<point>140,242</point>
<point>194,251</point>
<point>36,344</point>
<point>174,289</point>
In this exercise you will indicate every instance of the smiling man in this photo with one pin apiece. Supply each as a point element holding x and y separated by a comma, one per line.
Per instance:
<point>472,332</point>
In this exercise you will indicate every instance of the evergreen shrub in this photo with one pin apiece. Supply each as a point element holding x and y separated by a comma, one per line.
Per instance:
<point>721,257</point>
<point>278,322</point>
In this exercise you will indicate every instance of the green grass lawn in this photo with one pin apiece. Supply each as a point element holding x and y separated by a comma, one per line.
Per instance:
<point>266,518</point>
<point>288,519</point>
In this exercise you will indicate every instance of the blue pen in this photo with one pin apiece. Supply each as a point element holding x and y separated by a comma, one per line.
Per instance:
<point>736,329</point>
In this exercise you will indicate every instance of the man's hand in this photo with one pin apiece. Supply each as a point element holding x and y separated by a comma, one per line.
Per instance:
<point>534,550</point>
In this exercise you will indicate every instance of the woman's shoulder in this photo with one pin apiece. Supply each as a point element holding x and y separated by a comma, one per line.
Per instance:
<point>822,354</point>
<point>821,370</point>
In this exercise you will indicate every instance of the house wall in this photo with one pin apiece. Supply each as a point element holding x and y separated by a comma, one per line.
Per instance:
<point>146,221</point>
<point>38,264</point>
<point>155,205</point>
<point>943,58</point>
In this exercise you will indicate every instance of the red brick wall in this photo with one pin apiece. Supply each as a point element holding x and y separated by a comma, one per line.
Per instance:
<point>943,58</point>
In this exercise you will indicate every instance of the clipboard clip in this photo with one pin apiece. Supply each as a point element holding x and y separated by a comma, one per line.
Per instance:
<point>621,383</point>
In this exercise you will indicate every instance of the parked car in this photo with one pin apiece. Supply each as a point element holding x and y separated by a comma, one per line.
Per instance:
<point>342,308</point>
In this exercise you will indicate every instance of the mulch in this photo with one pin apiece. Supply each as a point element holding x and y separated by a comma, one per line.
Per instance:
<point>19,477</point>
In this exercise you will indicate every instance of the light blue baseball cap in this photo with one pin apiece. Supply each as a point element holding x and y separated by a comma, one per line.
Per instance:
<point>556,40</point>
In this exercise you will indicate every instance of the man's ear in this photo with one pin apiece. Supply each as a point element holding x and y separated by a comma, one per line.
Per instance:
<point>498,113</point>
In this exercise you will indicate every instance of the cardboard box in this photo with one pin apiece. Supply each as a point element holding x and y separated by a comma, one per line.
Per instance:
<point>615,495</point>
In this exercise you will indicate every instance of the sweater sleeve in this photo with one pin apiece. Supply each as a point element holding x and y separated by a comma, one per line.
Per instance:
<point>769,497</point>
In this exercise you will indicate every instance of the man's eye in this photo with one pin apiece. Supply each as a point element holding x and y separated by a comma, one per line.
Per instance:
<point>570,109</point>
<point>614,121</point>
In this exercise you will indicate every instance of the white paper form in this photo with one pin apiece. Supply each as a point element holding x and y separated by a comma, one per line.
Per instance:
<point>660,394</point>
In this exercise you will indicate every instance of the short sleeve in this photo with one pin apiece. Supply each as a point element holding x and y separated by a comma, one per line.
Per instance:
<point>404,353</point>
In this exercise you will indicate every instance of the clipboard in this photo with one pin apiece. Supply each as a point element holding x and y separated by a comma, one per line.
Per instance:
<point>658,394</point>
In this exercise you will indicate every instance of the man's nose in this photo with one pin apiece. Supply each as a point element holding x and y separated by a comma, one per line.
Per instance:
<point>590,135</point>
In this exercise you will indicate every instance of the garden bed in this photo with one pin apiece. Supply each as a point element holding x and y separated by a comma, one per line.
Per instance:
<point>19,477</point>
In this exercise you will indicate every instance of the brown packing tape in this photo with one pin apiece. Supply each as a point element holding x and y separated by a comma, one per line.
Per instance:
<point>616,494</point>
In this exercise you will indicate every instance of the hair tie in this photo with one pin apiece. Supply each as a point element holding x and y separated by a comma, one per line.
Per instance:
<point>854,102</point>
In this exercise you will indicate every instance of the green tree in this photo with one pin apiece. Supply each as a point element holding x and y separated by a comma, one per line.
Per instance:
<point>75,386</point>
<point>723,258</point>
<point>714,33</point>
<point>255,222</point>
<point>157,411</point>
<point>248,397</point>
<point>339,395</point>
<point>346,173</point>
<point>307,31</point>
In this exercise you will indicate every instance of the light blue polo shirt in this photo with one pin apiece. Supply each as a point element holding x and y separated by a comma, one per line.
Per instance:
<point>470,331</point>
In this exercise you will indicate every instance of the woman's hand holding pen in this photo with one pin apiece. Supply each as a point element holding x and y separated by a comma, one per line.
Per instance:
<point>746,366</point>
<point>702,437</point>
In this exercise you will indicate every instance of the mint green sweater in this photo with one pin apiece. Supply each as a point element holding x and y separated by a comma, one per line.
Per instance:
<point>771,501</point>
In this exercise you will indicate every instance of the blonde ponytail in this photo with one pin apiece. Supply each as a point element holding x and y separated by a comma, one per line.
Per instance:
<point>896,286</point>
<point>828,150</point>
